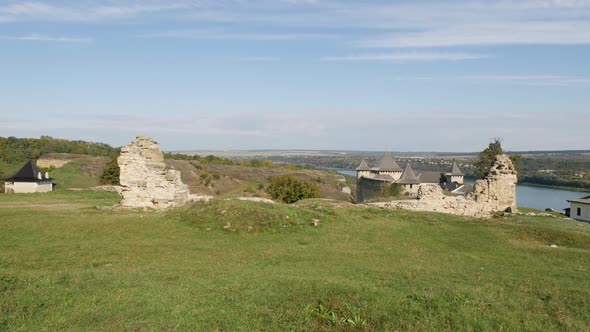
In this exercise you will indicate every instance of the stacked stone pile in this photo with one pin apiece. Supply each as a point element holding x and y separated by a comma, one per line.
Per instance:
<point>145,180</point>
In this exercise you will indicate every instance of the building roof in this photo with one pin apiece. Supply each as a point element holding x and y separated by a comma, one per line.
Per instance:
<point>386,163</point>
<point>455,170</point>
<point>28,173</point>
<point>429,177</point>
<point>408,177</point>
<point>583,200</point>
<point>384,177</point>
<point>363,166</point>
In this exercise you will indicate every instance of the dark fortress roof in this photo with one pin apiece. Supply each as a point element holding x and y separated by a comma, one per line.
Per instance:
<point>363,166</point>
<point>29,173</point>
<point>408,177</point>
<point>430,177</point>
<point>387,164</point>
<point>455,170</point>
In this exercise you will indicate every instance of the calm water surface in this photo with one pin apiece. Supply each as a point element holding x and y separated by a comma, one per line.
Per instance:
<point>527,196</point>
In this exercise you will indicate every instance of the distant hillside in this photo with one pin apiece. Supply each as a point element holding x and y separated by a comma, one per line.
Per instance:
<point>18,150</point>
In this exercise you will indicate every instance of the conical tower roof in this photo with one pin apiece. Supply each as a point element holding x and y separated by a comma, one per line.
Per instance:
<point>408,177</point>
<point>363,166</point>
<point>456,170</point>
<point>28,173</point>
<point>387,163</point>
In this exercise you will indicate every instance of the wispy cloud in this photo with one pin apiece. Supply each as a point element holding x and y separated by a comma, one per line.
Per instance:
<point>43,38</point>
<point>402,57</point>
<point>539,80</point>
<point>259,58</point>
<point>379,24</point>
<point>90,11</point>
<point>539,33</point>
<point>227,35</point>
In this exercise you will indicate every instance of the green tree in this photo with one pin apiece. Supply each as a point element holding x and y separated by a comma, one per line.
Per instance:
<point>111,172</point>
<point>289,189</point>
<point>488,156</point>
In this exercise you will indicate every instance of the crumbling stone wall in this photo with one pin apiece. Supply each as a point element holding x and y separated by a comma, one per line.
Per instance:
<point>146,181</point>
<point>367,188</point>
<point>495,193</point>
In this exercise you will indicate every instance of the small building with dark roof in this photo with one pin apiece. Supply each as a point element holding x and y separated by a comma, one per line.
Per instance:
<point>579,209</point>
<point>29,180</point>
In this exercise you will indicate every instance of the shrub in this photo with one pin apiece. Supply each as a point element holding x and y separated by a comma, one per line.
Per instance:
<point>111,172</point>
<point>393,190</point>
<point>289,189</point>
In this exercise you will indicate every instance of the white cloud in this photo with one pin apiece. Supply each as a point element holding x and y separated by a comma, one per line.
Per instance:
<point>43,38</point>
<point>259,58</point>
<point>88,11</point>
<point>225,35</point>
<point>402,57</point>
<point>554,33</point>
<point>380,24</point>
<point>539,80</point>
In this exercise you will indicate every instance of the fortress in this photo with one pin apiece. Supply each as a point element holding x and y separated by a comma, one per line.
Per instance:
<point>371,181</point>
<point>495,193</point>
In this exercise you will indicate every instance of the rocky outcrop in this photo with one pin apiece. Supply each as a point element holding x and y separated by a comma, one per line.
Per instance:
<point>146,181</point>
<point>495,193</point>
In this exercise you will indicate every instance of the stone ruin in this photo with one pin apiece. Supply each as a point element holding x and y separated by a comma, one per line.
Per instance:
<point>146,181</point>
<point>495,193</point>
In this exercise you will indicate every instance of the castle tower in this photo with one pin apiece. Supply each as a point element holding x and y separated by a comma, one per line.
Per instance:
<point>363,170</point>
<point>409,181</point>
<point>387,165</point>
<point>455,175</point>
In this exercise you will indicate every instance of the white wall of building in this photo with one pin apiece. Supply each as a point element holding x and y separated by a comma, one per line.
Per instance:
<point>584,211</point>
<point>27,187</point>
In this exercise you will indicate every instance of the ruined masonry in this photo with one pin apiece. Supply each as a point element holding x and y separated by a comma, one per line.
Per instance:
<point>145,180</point>
<point>495,193</point>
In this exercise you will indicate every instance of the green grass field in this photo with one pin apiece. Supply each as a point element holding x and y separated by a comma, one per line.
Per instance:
<point>235,265</point>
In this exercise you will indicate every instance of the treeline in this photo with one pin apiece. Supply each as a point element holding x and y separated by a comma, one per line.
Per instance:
<point>18,150</point>
<point>211,159</point>
<point>552,180</point>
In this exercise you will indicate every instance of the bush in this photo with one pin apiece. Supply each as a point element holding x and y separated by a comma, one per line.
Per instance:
<point>110,174</point>
<point>289,189</point>
<point>391,191</point>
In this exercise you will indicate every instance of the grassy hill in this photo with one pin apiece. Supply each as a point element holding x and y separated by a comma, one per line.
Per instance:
<point>235,265</point>
<point>235,180</point>
<point>76,171</point>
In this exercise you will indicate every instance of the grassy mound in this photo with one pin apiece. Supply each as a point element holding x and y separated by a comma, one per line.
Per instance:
<point>65,265</point>
<point>245,216</point>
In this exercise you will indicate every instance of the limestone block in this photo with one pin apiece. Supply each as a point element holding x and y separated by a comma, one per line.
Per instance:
<point>145,181</point>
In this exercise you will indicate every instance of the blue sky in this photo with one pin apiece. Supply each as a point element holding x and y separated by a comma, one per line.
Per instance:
<point>306,74</point>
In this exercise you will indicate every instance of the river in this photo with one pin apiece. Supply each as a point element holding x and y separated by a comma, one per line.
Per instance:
<point>526,196</point>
